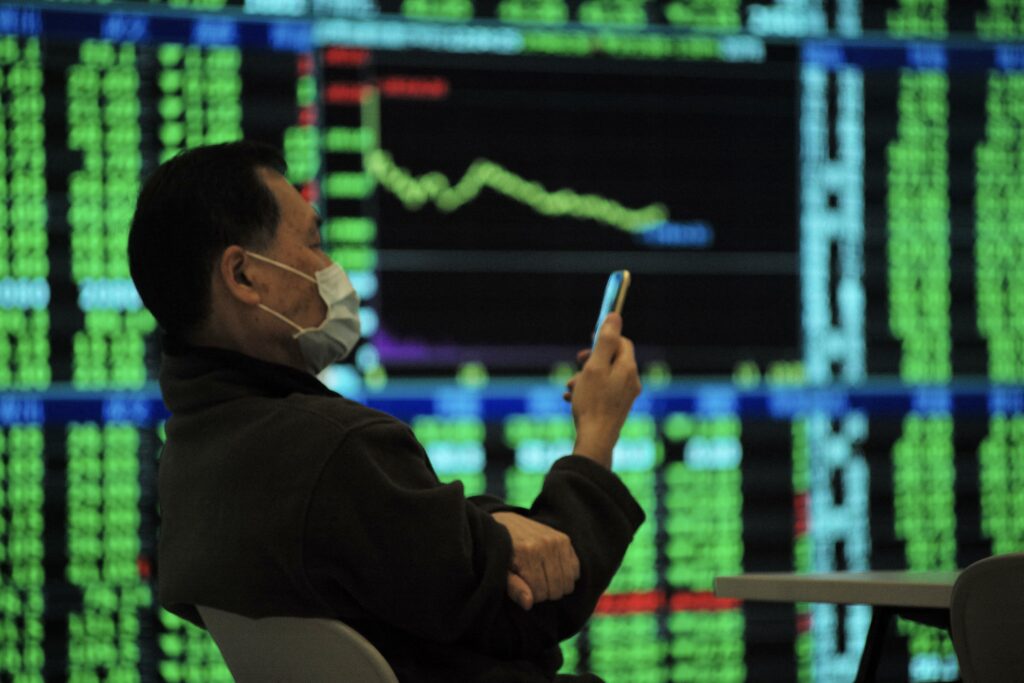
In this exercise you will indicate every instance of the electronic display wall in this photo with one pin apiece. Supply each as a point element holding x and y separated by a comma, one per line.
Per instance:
<point>819,203</point>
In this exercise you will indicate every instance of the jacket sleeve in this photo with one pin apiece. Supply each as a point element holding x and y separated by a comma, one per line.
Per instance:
<point>492,504</point>
<point>385,540</point>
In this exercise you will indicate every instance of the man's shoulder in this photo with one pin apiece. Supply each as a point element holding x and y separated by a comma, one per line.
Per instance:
<point>338,414</point>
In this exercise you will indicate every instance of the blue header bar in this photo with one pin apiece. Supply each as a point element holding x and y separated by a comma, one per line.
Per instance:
<point>503,398</point>
<point>212,31</point>
<point>20,22</point>
<point>923,55</point>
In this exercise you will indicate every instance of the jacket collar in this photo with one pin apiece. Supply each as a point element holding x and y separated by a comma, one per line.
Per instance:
<point>195,377</point>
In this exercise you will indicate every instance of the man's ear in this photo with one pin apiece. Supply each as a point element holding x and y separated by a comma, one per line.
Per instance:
<point>233,269</point>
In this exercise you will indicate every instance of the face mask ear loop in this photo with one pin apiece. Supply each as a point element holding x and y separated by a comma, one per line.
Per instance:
<point>261,257</point>
<point>280,317</point>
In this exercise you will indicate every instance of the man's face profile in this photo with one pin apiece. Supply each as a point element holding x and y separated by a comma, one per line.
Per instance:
<point>296,243</point>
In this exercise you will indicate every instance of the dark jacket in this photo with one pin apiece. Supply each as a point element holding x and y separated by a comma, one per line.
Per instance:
<point>280,497</point>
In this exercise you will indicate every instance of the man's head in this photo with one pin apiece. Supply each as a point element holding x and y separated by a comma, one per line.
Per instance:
<point>198,219</point>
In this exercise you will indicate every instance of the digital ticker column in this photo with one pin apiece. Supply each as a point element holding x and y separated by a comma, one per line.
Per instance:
<point>24,255</point>
<point>918,260</point>
<point>24,357</point>
<point>103,552</point>
<point>103,110</point>
<point>623,636</point>
<point>103,482</point>
<point>22,598</point>
<point>703,523</point>
<point>999,252</point>
<point>803,549</point>
<point>1001,19</point>
<point>830,473</point>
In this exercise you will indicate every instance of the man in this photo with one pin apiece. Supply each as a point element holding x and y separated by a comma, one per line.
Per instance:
<point>280,497</point>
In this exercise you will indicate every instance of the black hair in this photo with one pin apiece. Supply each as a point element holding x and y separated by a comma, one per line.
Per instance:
<point>190,210</point>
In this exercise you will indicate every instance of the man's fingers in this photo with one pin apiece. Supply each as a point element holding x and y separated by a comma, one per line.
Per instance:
<point>558,566</point>
<point>541,585</point>
<point>625,356</point>
<point>572,565</point>
<point>532,572</point>
<point>564,578</point>
<point>519,591</point>
<point>552,578</point>
<point>607,340</point>
<point>581,357</point>
<point>561,567</point>
<point>570,568</point>
<point>570,386</point>
<point>543,560</point>
<point>625,363</point>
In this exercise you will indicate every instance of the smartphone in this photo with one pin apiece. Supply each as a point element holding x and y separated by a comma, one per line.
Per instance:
<point>614,297</point>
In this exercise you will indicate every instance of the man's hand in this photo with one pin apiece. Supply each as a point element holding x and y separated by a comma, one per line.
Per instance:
<point>581,359</point>
<point>544,564</point>
<point>602,393</point>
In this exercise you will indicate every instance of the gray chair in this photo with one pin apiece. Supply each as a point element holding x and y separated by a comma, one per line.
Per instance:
<point>277,649</point>
<point>987,620</point>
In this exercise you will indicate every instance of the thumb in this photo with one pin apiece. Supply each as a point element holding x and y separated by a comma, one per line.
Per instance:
<point>519,591</point>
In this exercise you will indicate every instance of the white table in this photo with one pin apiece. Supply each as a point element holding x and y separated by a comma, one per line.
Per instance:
<point>921,596</point>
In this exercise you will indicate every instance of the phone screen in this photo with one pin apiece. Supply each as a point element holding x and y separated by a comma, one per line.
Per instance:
<point>614,296</point>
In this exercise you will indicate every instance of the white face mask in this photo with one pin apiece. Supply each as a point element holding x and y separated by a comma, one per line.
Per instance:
<point>336,336</point>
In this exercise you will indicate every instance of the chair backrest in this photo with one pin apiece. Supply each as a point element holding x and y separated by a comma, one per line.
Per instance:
<point>294,649</point>
<point>987,620</point>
